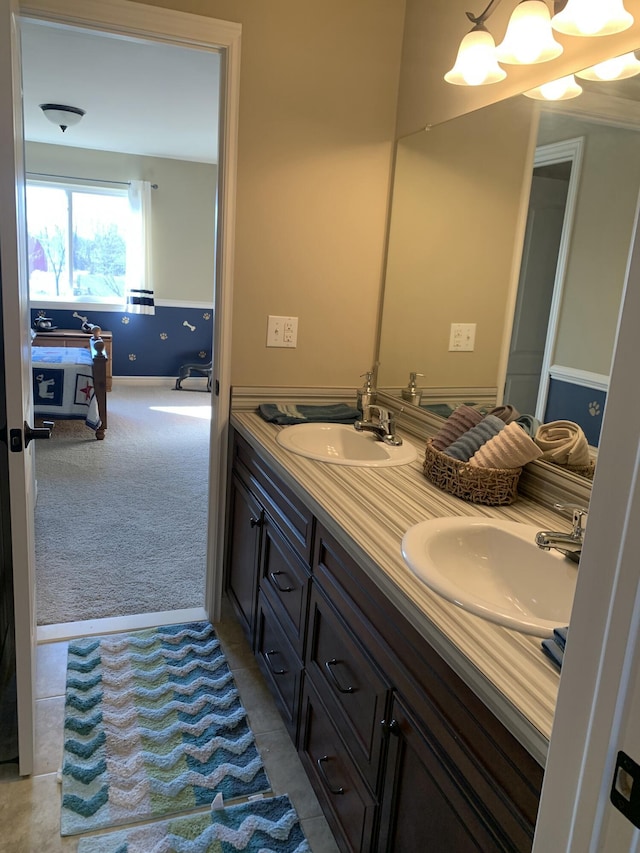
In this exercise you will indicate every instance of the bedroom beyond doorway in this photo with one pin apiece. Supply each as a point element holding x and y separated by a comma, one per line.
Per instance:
<point>121,525</point>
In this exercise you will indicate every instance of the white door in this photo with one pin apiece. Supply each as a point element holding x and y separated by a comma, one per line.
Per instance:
<point>17,345</point>
<point>545,220</point>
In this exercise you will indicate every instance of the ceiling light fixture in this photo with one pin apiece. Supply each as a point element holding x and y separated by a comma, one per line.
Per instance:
<point>561,89</point>
<point>529,38</point>
<point>616,68</point>
<point>62,115</point>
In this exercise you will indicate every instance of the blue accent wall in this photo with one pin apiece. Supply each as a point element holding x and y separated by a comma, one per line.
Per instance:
<point>584,406</point>
<point>147,344</point>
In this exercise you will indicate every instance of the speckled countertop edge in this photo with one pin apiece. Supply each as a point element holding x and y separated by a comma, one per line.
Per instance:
<point>368,510</point>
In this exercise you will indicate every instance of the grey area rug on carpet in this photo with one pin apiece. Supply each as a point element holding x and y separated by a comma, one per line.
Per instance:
<point>153,726</point>
<point>121,524</point>
<point>261,826</point>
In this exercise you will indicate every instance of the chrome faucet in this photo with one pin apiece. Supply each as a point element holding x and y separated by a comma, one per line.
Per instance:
<point>383,426</point>
<point>569,544</point>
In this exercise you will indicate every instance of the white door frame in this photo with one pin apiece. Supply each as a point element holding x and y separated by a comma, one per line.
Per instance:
<point>570,150</point>
<point>150,22</point>
<point>599,683</point>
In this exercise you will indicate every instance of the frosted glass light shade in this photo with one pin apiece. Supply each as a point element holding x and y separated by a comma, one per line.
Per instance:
<point>561,89</point>
<point>529,37</point>
<point>616,68</point>
<point>62,115</point>
<point>476,62</point>
<point>592,18</point>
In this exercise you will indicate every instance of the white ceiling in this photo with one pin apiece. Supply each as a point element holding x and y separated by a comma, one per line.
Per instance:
<point>140,97</point>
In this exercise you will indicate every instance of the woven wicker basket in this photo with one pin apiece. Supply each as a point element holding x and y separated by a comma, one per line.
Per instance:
<point>492,486</point>
<point>581,470</point>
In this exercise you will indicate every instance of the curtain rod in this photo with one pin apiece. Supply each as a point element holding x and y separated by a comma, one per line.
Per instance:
<point>76,178</point>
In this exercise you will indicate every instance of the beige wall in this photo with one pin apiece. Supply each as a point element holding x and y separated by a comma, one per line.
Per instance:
<point>433,31</point>
<point>455,239</point>
<point>182,210</point>
<point>318,87</point>
<point>600,239</point>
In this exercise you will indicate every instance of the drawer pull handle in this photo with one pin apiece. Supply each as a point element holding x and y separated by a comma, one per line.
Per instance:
<point>256,522</point>
<point>328,664</point>
<point>271,667</point>
<point>320,762</point>
<point>274,578</point>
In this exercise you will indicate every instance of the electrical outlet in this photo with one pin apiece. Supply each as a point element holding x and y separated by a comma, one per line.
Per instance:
<point>282,331</point>
<point>462,337</point>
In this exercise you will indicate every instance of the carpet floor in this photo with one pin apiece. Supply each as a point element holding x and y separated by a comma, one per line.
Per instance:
<point>264,826</point>
<point>121,524</point>
<point>153,726</point>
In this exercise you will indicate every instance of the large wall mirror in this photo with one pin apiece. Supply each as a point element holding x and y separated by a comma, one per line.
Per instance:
<point>517,218</point>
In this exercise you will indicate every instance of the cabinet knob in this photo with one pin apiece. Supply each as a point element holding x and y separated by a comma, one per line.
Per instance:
<point>390,727</point>
<point>256,522</point>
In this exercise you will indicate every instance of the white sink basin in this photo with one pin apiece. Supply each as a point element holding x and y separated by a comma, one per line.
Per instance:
<point>494,569</point>
<point>341,444</point>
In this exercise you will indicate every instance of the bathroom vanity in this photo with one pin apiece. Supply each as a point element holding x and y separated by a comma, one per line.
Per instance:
<point>416,721</point>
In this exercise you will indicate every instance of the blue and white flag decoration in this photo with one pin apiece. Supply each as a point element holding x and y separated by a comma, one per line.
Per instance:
<point>140,302</point>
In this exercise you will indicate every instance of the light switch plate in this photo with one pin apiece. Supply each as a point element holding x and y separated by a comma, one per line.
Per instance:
<point>462,337</point>
<point>282,331</point>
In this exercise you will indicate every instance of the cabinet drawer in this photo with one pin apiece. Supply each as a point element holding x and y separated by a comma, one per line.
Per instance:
<point>348,804</point>
<point>280,664</point>
<point>348,681</point>
<point>293,517</point>
<point>285,583</point>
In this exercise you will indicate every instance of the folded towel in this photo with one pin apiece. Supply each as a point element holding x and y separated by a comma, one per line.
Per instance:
<point>560,636</point>
<point>460,420</point>
<point>464,447</point>
<point>510,448</point>
<point>553,651</point>
<point>506,413</point>
<point>285,413</point>
<point>529,423</point>
<point>563,443</point>
<point>442,409</point>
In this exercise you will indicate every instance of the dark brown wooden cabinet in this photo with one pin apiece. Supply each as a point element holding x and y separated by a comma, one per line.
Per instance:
<point>401,753</point>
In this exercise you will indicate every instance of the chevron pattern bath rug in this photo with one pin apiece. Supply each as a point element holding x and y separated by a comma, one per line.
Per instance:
<point>153,726</point>
<point>263,826</point>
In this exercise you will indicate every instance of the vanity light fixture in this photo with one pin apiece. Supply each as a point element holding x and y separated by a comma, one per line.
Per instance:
<point>561,89</point>
<point>616,68</point>
<point>592,18</point>
<point>62,115</point>
<point>529,38</point>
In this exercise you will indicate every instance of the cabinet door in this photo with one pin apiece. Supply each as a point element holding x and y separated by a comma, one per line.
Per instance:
<point>246,520</point>
<point>280,665</point>
<point>423,803</point>
<point>345,798</point>
<point>284,580</point>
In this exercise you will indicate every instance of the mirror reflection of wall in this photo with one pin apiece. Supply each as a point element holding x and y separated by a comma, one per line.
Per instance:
<point>457,231</point>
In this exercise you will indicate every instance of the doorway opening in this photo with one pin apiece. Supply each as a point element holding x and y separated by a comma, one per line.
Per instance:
<point>108,545</point>
<point>542,271</point>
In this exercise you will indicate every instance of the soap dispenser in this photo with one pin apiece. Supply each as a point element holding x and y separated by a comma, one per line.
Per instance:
<point>412,393</point>
<point>366,395</point>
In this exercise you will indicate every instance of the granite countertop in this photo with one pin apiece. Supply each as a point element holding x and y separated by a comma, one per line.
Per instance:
<point>368,511</point>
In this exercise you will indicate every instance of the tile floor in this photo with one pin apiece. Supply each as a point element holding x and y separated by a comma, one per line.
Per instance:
<point>30,807</point>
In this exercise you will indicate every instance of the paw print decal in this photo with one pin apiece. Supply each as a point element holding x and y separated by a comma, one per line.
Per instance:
<point>202,354</point>
<point>594,408</point>
<point>163,336</point>
<point>132,356</point>
<point>125,321</point>
<point>206,316</point>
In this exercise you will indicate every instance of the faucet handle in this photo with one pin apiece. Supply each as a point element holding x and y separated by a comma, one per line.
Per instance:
<point>578,515</point>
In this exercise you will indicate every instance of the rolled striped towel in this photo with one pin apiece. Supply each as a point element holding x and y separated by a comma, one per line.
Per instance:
<point>506,413</point>
<point>458,422</point>
<point>563,443</point>
<point>510,448</point>
<point>464,447</point>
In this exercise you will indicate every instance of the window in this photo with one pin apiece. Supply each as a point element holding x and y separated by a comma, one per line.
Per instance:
<point>80,240</point>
